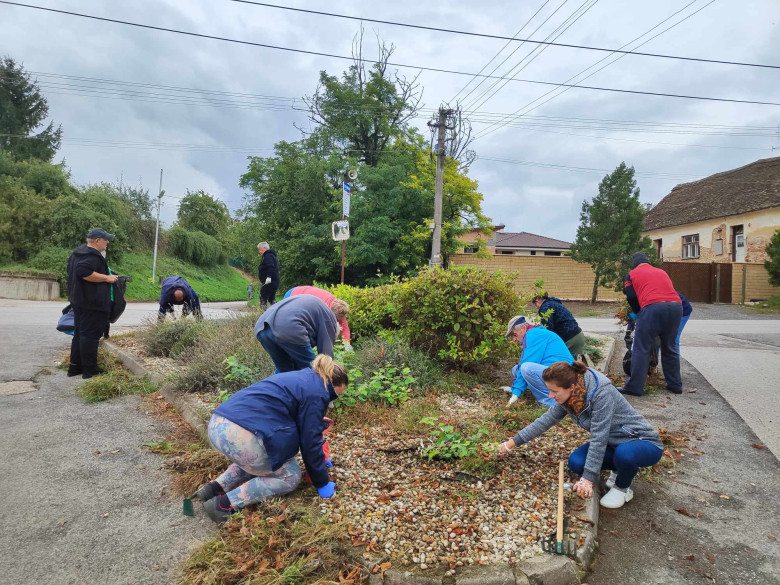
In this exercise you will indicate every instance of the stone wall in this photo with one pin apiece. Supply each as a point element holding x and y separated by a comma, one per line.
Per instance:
<point>34,287</point>
<point>563,277</point>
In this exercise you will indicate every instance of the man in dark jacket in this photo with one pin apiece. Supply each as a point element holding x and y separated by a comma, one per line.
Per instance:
<point>558,319</point>
<point>650,290</point>
<point>89,292</point>
<point>268,274</point>
<point>177,291</point>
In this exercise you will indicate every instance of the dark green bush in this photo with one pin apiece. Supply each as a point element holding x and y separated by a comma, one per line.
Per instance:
<point>459,314</point>
<point>371,310</point>
<point>195,247</point>
<point>170,339</point>
<point>55,262</point>
<point>373,353</point>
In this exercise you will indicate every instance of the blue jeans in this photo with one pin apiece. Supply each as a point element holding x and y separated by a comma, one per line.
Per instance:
<point>287,357</point>
<point>532,374</point>
<point>683,321</point>
<point>625,459</point>
<point>661,320</point>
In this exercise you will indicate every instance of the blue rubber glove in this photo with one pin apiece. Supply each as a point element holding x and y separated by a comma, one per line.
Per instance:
<point>328,462</point>
<point>632,316</point>
<point>327,490</point>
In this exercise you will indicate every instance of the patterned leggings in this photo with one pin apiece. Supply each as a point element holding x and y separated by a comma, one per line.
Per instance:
<point>250,479</point>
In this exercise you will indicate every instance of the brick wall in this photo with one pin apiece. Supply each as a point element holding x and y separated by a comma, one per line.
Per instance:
<point>563,277</point>
<point>756,281</point>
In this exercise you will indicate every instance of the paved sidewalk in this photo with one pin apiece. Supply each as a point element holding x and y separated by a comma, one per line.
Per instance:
<point>719,541</point>
<point>83,501</point>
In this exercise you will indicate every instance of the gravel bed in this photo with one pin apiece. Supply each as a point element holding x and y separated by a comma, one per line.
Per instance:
<point>429,514</point>
<point>159,365</point>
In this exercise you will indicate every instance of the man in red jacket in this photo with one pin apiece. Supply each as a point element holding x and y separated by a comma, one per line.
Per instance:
<point>651,290</point>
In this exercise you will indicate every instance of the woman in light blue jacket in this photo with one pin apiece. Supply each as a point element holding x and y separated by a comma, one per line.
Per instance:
<point>621,440</point>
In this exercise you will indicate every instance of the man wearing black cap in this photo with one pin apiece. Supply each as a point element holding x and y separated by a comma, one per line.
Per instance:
<point>650,290</point>
<point>89,291</point>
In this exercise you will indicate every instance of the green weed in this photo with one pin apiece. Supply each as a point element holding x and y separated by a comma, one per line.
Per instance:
<point>114,383</point>
<point>448,444</point>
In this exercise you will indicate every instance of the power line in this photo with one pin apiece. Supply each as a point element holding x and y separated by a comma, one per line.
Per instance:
<point>524,110</point>
<point>503,38</point>
<point>402,65</point>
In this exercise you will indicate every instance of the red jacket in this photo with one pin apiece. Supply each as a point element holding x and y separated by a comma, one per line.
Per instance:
<point>651,285</point>
<point>326,298</point>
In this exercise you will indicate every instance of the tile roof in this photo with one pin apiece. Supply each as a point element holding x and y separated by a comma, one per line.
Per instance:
<point>749,188</point>
<point>528,240</point>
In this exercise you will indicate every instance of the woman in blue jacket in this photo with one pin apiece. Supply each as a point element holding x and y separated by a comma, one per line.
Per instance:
<point>261,429</point>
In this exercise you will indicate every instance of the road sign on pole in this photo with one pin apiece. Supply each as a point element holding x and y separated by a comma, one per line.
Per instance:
<point>340,230</point>
<point>347,194</point>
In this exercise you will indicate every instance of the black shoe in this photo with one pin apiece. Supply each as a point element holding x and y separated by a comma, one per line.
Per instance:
<point>96,372</point>
<point>74,371</point>
<point>624,391</point>
<point>674,391</point>
<point>209,491</point>
<point>216,512</point>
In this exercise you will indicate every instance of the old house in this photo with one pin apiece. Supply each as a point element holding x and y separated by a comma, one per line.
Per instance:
<point>728,217</point>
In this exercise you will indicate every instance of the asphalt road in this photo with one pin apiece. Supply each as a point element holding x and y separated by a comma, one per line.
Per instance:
<point>84,502</point>
<point>740,358</point>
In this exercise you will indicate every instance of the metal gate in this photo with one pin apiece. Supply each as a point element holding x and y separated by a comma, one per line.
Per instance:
<point>700,282</point>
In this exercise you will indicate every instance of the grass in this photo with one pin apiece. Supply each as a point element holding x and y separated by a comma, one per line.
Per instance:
<point>212,283</point>
<point>769,306</point>
<point>593,348</point>
<point>114,383</point>
<point>16,268</point>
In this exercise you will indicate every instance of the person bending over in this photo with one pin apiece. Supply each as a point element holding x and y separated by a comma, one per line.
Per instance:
<point>621,440</point>
<point>177,291</point>
<point>558,319</point>
<point>340,308</point>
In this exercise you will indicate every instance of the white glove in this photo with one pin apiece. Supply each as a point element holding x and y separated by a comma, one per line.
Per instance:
<point>347,347</point>
<point>268,280</point>
<point>507,389</point>
<point>512,400</point>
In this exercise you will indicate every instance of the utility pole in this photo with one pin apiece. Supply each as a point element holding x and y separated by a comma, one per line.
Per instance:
<point>441,127</point>
<point>157,230</point>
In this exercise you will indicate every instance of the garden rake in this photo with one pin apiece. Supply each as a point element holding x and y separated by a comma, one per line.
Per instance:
<point>556,543</point>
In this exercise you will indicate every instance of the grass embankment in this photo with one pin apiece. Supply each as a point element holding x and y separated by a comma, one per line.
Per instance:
<point>212,283</point>
<point>769,306</point>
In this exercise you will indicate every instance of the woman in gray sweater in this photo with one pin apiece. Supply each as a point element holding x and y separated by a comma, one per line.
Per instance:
<point>621,440</point>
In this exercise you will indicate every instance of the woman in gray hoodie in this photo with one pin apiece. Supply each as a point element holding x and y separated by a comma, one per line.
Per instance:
<point>621,439</point>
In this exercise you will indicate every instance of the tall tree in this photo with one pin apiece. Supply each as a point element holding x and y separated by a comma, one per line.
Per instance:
<point>368,108</point>
<point>773,264</point>
<point>23,110</point>
<point>611,229</point>
<point>199,211</point>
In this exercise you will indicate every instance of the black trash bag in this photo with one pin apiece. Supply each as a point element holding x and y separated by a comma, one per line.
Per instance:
<point>119,303</point>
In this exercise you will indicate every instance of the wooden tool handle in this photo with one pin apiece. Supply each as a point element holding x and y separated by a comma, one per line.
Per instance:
<point>559,532</point>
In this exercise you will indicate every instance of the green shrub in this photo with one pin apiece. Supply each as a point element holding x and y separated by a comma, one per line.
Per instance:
<point>171,338</point>
<point>772,265</point>
<point>448,444</point>
<point>55,262</point>
<point>459,314</point>
<point>371,310</point>
<point>195,247</point>
<point>115,383</point>
<point>387,385</point>
<point>373,353</point>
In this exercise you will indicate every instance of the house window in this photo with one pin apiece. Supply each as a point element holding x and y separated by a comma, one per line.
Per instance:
<point>719,247</point>
<point>659,247</point>
<point>470,250</point>
<point>690,246</point>
<point>552,253</point>
<point>507,252</point>
<point>533,252</point>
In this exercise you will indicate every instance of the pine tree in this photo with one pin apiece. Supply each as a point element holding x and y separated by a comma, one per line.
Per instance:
<point>773,264</point>
<point>610,229</point>
<point>22,110</point>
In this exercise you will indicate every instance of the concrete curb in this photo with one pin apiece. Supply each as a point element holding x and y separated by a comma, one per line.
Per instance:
<point>540,570</point>
<point>186,405</point>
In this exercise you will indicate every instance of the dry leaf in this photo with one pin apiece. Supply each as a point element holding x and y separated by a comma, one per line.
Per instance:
<point>758,446</point>
<point>689,557</point>
<point>279,563</point>
<point>580,541</point>
<point>771,537</point>
<point>710,557</point>
<point>384,567</point>
<point>725,497</point>
<point>583,519</point>
<point>105,515</point>
<point>684,512</point>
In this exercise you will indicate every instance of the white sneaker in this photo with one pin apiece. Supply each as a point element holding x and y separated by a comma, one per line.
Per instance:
<point>615,498</point>
<point>611,479</point>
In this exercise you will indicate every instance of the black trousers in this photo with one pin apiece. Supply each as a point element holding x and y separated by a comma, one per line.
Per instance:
<point>90,327</point>
<point>268,294</point>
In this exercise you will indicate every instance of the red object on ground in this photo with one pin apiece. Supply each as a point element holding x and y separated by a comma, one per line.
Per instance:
<point>325,446</point>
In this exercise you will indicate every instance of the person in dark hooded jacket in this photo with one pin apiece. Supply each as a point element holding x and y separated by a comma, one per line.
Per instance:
<point>262,428</point>
<point>89,292</point>
<point>177,291</point>
<point>651,290</point>
<point>268,274</point>
<point>558,319</point>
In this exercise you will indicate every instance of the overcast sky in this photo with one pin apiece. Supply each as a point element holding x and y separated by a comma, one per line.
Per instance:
<point>132,131</point>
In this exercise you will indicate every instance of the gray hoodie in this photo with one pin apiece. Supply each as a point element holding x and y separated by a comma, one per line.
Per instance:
<point>301,320</point>
<point>607,415</point>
